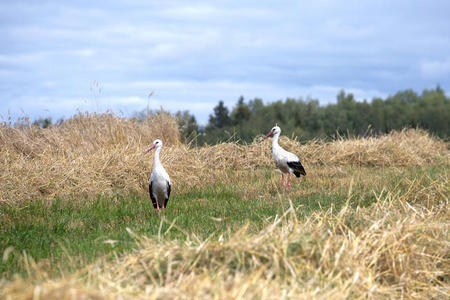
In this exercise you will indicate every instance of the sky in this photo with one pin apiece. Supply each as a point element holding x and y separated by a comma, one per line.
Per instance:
<point>58,58</point>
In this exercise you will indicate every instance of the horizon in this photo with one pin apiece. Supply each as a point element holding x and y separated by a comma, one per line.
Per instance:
<point>201,125</point>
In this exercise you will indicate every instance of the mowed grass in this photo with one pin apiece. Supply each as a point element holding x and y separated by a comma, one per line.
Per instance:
<point>66,234</point>
<point>370,219</point>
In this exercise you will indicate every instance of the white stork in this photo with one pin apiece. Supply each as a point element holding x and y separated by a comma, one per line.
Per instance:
<point>286,161</point>
<point>159,183</point>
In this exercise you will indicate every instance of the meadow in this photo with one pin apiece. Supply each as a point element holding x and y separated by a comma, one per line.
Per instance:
<point>370,219</point>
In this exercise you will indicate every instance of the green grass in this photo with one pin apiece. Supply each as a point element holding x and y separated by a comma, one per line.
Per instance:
<point>66,234</point>
<point>66,229</point>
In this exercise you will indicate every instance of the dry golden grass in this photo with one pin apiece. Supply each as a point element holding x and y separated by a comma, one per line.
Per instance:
<point>391,250</point>
<point>396,248</point>
<point>87,155</point>
<point>102,154</point>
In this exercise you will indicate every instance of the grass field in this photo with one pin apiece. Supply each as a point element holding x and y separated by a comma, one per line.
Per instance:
<point>370,219</point>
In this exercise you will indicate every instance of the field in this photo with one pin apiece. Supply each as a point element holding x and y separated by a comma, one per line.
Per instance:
<point>370,219</point>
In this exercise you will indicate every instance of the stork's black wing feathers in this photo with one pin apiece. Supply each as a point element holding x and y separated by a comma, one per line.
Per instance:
<point>168,194</point>
<point>297,167</point>
<point>150,189</point>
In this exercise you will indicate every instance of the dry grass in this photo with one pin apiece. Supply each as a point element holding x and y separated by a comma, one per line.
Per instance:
<point>102,154</point>
<point>389,250</point>
<point>87,155</point>
<point>396,248</point>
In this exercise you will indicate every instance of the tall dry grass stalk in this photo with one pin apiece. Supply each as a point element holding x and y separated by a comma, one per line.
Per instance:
<point>93,154</point>
<point>391,250</point>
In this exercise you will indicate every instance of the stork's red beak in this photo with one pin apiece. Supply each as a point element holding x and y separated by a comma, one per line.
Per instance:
<point>149,149</point>
<point>269,134</point>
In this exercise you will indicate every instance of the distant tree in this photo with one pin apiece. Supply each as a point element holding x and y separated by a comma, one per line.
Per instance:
<point>311,120</point>
<point>377,116</point>
<point>220,118</point>
<point>256,106</point>
<point>188,125</point>
<point>434,112</point>
<point>398,110</point>
<point>241,112</point>
<point>43,122</point>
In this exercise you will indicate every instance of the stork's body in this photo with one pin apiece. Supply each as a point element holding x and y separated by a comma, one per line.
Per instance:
<point>159,183</point>
<point>287,162</point>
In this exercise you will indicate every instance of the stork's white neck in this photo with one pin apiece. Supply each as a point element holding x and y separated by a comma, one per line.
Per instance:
<point>275,140</point>
<point>156,161</point>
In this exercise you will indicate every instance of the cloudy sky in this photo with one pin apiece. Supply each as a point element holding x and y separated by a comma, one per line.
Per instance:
<point>60,57</point>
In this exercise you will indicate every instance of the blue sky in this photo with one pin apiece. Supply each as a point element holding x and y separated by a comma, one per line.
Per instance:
<point>60,57</point>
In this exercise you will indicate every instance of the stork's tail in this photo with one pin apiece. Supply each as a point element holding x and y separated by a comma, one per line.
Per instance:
<point>297,167</point>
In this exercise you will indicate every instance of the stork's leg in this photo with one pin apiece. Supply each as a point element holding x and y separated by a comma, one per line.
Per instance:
<point>157,206</point>
<point>289,182</point>
<point>282,182</point>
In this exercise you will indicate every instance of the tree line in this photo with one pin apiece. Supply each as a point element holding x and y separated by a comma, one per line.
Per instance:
<point>307,119</point>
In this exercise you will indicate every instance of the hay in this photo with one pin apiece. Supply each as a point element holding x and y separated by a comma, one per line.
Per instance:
<point>396,248</point>
<point>86,155</point>
<point>391,250</point>
<point>101,154</point>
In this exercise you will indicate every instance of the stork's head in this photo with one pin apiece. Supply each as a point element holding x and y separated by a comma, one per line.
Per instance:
<point>274,131</point>
<point>156,144</point>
